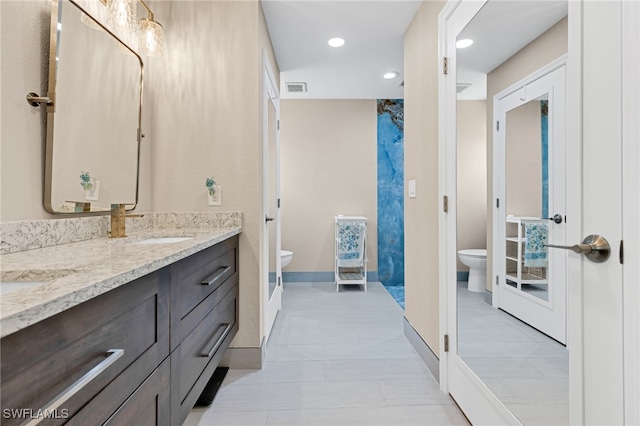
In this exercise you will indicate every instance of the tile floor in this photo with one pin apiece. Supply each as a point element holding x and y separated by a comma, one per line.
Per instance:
<point>334,359</point>
<point>527,370</point>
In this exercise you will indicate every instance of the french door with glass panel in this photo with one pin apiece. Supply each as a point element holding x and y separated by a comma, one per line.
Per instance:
<point>529,166</point>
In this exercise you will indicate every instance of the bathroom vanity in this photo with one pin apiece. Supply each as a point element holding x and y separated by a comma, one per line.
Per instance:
<point>131,335</point>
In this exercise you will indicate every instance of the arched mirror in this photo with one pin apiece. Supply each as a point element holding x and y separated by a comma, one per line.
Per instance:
<point>93,122</point>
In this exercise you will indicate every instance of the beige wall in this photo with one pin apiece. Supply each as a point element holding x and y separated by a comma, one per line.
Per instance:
<point>471,176</point>
<point>549,46</point>
<point>206,103</point>
<point>329,167</point>
<point>202,117</point>
<point>421,66</point>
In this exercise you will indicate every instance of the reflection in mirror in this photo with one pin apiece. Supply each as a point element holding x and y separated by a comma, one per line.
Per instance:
<point>93,125</point>
<point>272,200</point>
<point>524,368</point>
<point>526,165</point>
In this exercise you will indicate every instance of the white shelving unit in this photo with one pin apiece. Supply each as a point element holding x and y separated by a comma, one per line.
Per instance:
<point>527,279</point>
<point>350,251</point>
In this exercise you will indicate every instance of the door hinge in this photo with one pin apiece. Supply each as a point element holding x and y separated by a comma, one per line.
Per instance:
<point>497,203</point>
<point>498,126</point>
<point>278,202</point>
<point>445,65</point>
<point>445,204</point>
<point>279,282</point>
<point>446,343</point>
<point>278,125</point>
<point>497,280</point>
<point>621,252</point>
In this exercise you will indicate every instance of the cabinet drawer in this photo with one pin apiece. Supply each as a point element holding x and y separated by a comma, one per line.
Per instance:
<point>41,362</point>
<point>149,405</point>
<point>198,355</point>
<point>194,279</point>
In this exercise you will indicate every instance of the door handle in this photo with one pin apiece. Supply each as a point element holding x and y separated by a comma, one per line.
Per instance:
<point>556,218</point>
<point>595,247</point>
<point>268,219</point>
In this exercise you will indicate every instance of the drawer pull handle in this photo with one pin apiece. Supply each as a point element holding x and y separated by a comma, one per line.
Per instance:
<point>220,337</point>
<point>112,356</point>
<point>216,275</point>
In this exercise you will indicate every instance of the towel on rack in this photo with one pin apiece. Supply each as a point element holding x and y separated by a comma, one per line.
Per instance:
<point>351,243</point>
<point>535,250</point>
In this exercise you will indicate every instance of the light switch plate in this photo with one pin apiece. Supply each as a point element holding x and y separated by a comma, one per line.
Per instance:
<point>216,198</point>
<point>412,189</point>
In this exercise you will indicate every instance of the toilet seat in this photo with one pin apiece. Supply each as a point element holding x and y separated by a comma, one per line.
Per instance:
<point>474,252</point>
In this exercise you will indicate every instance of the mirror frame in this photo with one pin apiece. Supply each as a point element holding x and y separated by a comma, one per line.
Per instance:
<point>51,111</point>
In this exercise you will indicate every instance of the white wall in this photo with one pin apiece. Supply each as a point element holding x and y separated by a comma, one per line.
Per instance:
<point>329,167</point>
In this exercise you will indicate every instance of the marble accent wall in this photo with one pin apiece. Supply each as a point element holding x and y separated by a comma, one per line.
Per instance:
<point>31,234</point>
<point>391,192</point>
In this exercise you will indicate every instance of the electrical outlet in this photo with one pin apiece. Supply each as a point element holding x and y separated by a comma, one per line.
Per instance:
<point>216,198</point>
<point>94,193</point>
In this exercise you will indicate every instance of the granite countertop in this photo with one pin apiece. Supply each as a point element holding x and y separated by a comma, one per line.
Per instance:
<point>76,272</point>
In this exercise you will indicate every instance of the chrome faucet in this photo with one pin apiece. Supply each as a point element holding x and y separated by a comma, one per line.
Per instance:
<point>118,220</point>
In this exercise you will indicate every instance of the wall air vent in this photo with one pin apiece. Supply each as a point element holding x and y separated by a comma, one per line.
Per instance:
<point>461,86</point>
<point>296,87</point>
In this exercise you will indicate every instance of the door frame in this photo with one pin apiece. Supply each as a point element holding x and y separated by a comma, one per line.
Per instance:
<point>631,205</point>
<point>272,303</point>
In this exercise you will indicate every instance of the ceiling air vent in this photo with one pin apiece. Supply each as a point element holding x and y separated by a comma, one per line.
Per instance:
<point>461,86</point>
<point>296,87</point>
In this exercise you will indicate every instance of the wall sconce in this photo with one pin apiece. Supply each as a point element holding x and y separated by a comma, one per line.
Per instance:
<point>123,16</point>
<point>151,35</point>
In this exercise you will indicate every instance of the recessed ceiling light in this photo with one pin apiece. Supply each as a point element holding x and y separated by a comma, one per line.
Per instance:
<point>336,42</point>
<point>465,42</point>
<point>390,75</point>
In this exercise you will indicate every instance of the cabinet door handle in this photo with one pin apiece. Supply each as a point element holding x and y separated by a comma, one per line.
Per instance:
<point>219,335</point>
<point>214,276</point>
<point>78,385</point>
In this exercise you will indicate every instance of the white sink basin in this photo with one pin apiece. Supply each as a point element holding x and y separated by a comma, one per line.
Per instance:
<point>164,240</point>
<point>14,280</point>
<point>7,287</point>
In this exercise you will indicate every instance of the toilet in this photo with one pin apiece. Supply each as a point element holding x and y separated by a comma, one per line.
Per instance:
<point>285,258</point>
<point>476,260</point>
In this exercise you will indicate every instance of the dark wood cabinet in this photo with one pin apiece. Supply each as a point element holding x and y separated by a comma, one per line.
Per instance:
<point>204,306</point>
<point>139,354</point>
<point>56,357</point>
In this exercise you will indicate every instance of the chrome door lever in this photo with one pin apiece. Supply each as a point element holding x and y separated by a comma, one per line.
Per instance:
<point>595,247</point>
<point>268,219</point>
<point>556,218</point>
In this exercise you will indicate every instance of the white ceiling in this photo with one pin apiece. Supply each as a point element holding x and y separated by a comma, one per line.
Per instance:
<point>499,30</point>
<point>374,31</point>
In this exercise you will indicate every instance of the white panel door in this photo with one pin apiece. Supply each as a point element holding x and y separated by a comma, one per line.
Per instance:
<point>531,193</point>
